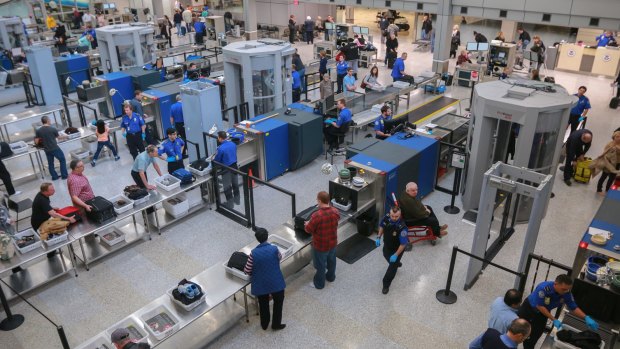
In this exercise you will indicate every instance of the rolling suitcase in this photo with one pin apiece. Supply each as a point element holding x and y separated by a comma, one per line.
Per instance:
<point>101,210</point>
<point>582,171</point>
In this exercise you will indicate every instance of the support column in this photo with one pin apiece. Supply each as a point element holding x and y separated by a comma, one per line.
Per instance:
<point>509,28</point>
<point>249,17</point>
<point>442,29</point>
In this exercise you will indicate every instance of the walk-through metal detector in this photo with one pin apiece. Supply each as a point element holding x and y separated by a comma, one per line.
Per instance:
<point>515,183</point>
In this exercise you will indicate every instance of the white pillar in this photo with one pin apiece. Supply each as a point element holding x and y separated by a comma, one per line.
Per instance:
<point>249,17</point>
<point>442,29</point>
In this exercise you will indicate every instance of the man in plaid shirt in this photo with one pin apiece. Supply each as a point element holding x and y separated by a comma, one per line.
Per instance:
<point>323,225</point>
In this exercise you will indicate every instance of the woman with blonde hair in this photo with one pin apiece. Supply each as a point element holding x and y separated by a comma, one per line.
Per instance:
<point>608,163</point>
<point>500,36</point>
<point>455,41</point>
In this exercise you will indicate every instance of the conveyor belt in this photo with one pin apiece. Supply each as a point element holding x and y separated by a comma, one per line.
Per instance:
<point>429,109</point>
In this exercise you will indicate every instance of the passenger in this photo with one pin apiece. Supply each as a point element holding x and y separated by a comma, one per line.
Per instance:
<point>349,84</point>
<point>326,88</point>
<point>141,164</point>
<point>322,64</point>
<point>518,331</point>
<point>267,280</point>
<point>323,225</point>
<point>500,37</point>
<point>394,232</point>
<point>46,136</point>
<point>171,150</point>
<point>386,114</point>
<point>371,80</point>
<point>121,340</point>
<point>103,139</point>
<point>524,38</point>
<point>79,187</point>
<point>479,37</point>
<point>609,163</point>
<point>42,209</point>
<point>415,213</point>
<point>462,58</point>
<point>535,75</point>
<point>504,310</point>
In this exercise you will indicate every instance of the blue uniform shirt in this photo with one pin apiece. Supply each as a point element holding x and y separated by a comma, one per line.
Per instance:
<point>296,80</point>
<point>341,68</point>
<point>399,66</point>
<point>582,104</point>
<point>380,122</point>
<point>200,27</point>
<point>344,116</point>
<point>176,111</point>
<point>133,124</point>
<point>226,153</point>
<point>93,33</point>
<point>172,149</point>
<point>501,315</point>
<point>544,294</point>
<point>402,238</point>
<point>604,40</point>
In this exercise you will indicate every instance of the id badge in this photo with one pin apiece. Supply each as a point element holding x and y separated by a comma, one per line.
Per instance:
<point>547,300</point>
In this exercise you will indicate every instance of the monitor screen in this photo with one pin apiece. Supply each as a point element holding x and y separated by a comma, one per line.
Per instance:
<point>329,102</point>
<point>357,30</point>
<point>472,46</point>
<point>112,6</point>
<point>365,30</point>
<point>501,55</point>
<point>329,26</point>
<point>483,46</point>
<point>127,10</point>
<point>106,6</point>
<point>168,61</point>
<point>390,125</point>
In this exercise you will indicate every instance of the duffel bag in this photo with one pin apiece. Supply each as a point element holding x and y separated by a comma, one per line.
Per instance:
<point>101,210</point>
<point>184,175</point>
<point>70,211</point>
<point>238,260</point>
<point>134,192</point>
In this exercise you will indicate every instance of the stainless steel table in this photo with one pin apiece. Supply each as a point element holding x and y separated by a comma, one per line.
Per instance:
<point>30,114</point>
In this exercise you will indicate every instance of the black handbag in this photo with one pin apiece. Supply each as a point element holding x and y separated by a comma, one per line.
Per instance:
<point>238,260</point>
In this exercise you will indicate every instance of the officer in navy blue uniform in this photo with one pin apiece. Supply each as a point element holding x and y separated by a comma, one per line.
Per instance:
<point>227,155</point>
<point>177,121</point>
<point>580,110</point>
<point>548,295</point>
<point>394,232</point>
<point>171,150</point>
<point>386,114</point>
<point>134,129</point>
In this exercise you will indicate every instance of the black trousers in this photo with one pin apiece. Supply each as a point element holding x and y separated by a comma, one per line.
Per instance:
<point>199,37</point>
<point>568,166</point>
<point>339,82</point>
<point>136,178</point>
<point>173,166</point>
<point>390,273</point>
<point>296,95</point>
<point>5,176</point>
<point>599,186</point>
<point>230,181</point>
<point>331,135</point>
<point>291,37</point>
<point>430,221</point>
<point>135,144</point>
<point>573,121</point>
<point>309,37</point>
<point>263,306</point>
<point>536,320</point>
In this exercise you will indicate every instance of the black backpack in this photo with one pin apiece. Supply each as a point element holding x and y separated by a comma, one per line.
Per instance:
<point>238,260</point>
<point>585,339</point>
<point>5,150</point>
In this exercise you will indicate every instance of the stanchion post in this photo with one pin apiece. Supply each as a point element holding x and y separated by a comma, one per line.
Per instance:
<point>63,337</point>
<point>451,209</point>
<point>12,321</point>
<point>446,296</point>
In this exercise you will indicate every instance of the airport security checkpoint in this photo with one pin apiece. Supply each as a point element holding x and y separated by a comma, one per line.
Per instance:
<point>386,174</point>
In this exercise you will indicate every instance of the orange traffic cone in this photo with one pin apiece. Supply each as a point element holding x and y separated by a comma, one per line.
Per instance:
<point>252,182</point>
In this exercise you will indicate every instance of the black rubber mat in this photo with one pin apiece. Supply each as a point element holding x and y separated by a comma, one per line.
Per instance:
<point>354,248</point>
<point>608,211</point>
<point>429,108</point>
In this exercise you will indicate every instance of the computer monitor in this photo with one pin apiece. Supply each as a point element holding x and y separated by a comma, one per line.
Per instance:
<point>472,46</point>
<point>168,61</point>
<point>357,30</point>
<point>329,102</point>
<point>390,126</point>
<point>365,30</point>
<point>329,26</point>
<point>112,5</point>
<point>17,51</point>
<point>127,10</point>
<point>483,46</point>
<point>106,6</point>
<point>501,54</point>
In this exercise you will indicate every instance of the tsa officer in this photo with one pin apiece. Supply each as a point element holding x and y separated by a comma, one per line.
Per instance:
<point>134,129</point>
<point>548,295</point>
<point>394,232</point>
<point>605,39</point>
<point>227,155</point>
<point>580,110</point>
<point>171,150</point>
<point>386,114</point>
<point>177,121</point>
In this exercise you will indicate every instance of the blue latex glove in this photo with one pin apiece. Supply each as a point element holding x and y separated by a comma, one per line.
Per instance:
<point>144,136</point>
<point>124,134</point>
<point>378,242</point>
<point>393,258</point>
<point>591,323</point>
<point>581,118</point>
<point>557,324</point>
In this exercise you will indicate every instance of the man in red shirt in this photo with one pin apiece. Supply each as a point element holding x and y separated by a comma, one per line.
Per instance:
<point>323,225</point>
<point>79,187</point>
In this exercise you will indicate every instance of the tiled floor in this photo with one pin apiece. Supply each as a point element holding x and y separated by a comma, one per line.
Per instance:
<point>351,312</point>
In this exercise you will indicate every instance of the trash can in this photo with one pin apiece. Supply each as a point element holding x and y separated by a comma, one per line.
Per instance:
<point>366,222</point>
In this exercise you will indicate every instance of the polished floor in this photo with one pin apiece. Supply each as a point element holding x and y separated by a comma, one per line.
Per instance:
<point>351,312</point>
